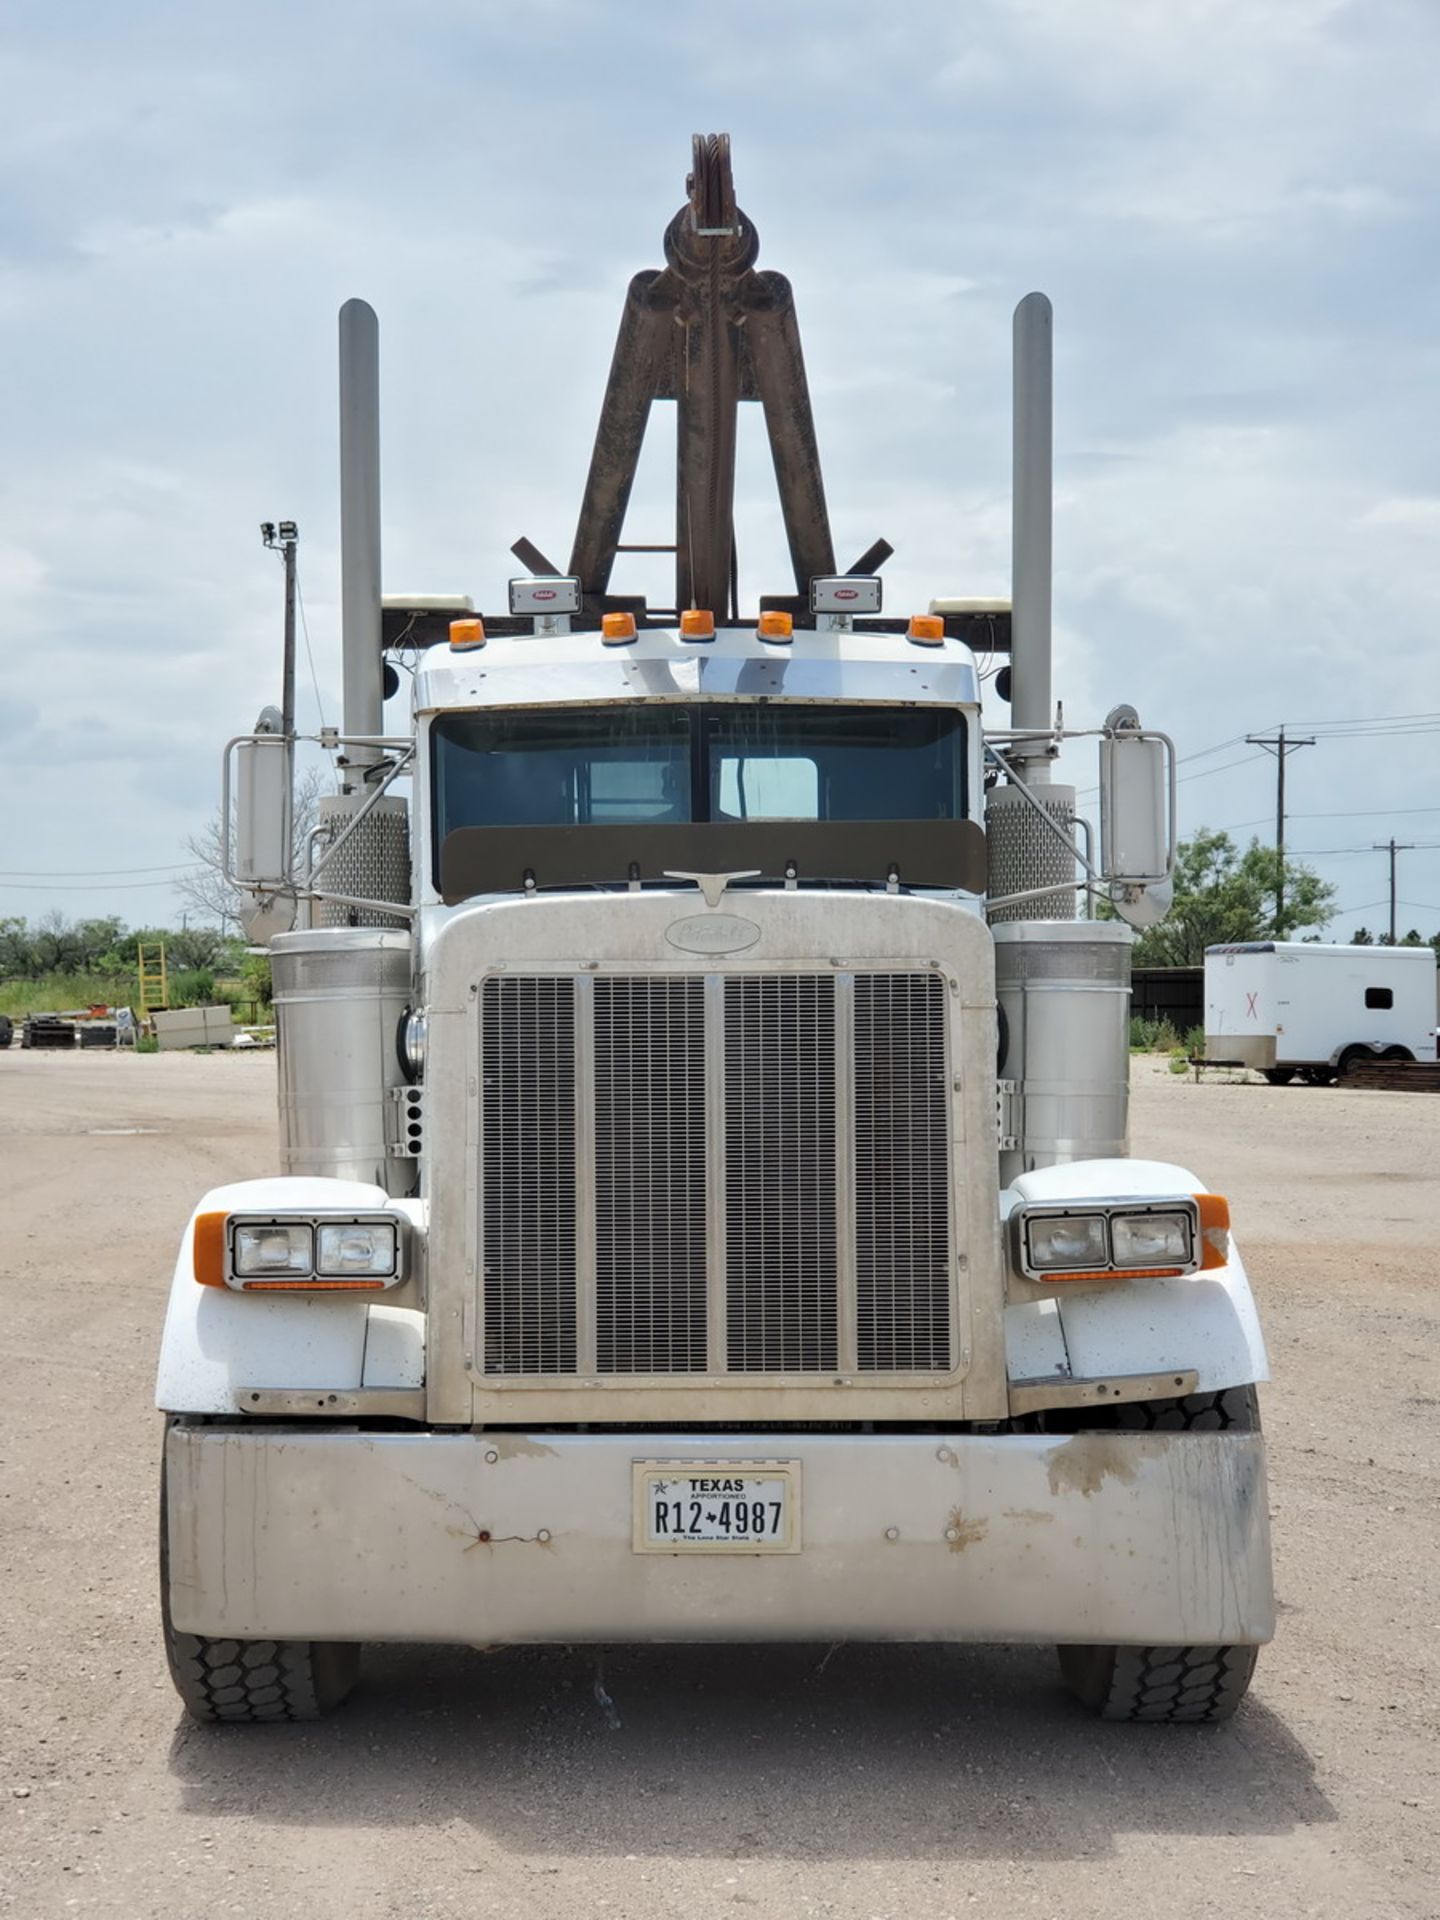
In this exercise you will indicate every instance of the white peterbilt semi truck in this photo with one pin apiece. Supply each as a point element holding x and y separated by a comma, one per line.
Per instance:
<point>704,1210</point>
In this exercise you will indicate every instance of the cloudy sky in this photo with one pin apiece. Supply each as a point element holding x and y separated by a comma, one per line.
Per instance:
<point>1232,204</point>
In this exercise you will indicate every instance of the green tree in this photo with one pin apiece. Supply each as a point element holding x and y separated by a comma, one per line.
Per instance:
<point>1362,937</point>
<point>1224,896</point>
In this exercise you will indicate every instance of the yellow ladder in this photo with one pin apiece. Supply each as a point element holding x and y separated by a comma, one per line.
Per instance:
<point>154,985</point>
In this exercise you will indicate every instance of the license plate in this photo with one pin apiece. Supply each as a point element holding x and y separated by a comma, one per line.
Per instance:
<point>717,1506</point>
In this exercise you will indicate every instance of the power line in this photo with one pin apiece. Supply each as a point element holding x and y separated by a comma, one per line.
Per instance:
<point>309,655</point>
<point>87,886</point>
<point>1204,772</point>
<point>1364,813</point>
<point>78,873</point>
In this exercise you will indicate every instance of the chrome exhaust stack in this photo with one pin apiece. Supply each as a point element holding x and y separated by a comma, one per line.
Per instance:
<point>373,863</point>
<point>1029,822</point>
<point>1032,485</point>
<point>360,534</point>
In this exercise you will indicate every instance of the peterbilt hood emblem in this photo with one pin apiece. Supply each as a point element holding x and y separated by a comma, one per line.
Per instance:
<point>712,933</point>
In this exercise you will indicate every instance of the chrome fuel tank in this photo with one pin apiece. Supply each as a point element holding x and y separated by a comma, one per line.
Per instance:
<point>1064,992</point>
<point>340,994</point>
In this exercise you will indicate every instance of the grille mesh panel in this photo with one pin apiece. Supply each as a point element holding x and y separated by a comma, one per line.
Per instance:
<point>781,1265</point>
<point>902,1218</point>
<point>650,1308</point>
<point>528,1116</point>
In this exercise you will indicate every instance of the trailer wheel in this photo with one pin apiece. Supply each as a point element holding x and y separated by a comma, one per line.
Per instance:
<point>1279,1076</point>
<point>1174,1684</point>
<point>1351,1058</point>
<point>251,1680</point>
<point>1166,1683</point>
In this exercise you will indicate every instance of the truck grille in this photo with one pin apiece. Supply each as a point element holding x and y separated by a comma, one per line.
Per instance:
<point>529,1185</point>
<point>780,1254</point>
<point>715,1174</point>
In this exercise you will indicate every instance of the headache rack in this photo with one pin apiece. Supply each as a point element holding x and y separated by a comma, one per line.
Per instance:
<point>706,331</point>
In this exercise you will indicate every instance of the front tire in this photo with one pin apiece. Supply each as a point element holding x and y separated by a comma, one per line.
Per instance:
<point>1279,1076</point>
<point>250,1680</point>
<point>1173,1684</point>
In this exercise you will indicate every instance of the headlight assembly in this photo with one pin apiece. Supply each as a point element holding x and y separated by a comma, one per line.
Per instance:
<point>311,1253</point>
<point>1121,1239</point>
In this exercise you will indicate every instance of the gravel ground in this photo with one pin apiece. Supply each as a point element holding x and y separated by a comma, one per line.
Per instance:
<point>912,1782</point>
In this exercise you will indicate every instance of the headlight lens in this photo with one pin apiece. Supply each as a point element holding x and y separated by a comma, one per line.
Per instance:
<point>1151,1239</point>
<point>273,1250</point>
<point>357,1248</point>
<point>1066,1241</point>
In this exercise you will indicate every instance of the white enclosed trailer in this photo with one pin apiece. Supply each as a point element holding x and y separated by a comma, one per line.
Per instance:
<point>1288,1007</point>
<point>704,1210</point>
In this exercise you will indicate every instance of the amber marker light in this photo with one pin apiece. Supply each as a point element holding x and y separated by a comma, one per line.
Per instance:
<point>776,627</point>
<point>617,629</point>
<point>208,1249</point>
<point>697,624</point>
<point>311,1286</point>
<point>1214,1230</point>
<point>926,629</point>
<point>466,635</point>
<point>1114,1273</point>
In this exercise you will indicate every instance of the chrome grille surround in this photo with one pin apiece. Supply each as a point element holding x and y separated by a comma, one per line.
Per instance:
<point>725,1175</point>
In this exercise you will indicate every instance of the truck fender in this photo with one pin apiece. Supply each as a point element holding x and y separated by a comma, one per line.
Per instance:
<point>1204,1320</point>
<point>217,1342</point>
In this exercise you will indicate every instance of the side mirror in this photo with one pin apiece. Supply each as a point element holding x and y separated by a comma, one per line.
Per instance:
<point>1137,845</point>
<point>263,787</point>
<point>1137,817</point>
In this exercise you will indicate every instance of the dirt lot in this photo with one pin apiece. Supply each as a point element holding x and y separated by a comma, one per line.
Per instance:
<point>910,1782</point>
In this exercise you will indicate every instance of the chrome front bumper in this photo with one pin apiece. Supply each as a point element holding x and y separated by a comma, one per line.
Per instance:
<point>296,1533</point>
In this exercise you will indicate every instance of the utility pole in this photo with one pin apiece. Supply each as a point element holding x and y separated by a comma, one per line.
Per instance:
<point>1280,746</point>
<point>1392,847</point>
<point>286,537</point>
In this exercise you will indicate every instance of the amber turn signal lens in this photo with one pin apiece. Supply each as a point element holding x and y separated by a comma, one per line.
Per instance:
<point>697,624</point>
<point>467,634</point>
<point>617,628</point>
<point>1214,1230</point>
<point>208,1249</point>
<point>926,629</point>
<point>776,626</point>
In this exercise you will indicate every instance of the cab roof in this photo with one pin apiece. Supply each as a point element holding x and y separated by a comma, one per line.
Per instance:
<point>574,669</point>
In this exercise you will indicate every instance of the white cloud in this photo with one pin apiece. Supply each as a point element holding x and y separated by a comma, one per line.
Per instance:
<point>1228,200</point>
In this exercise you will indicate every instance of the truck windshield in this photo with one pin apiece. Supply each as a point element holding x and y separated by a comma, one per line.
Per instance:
<point>617,766</point>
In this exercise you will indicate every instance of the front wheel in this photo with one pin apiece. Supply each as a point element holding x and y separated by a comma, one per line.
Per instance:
<point>1279,1076</point>
<point>250,1679</point>
<point>1174,1684</point>
<point>1166,1683</point>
